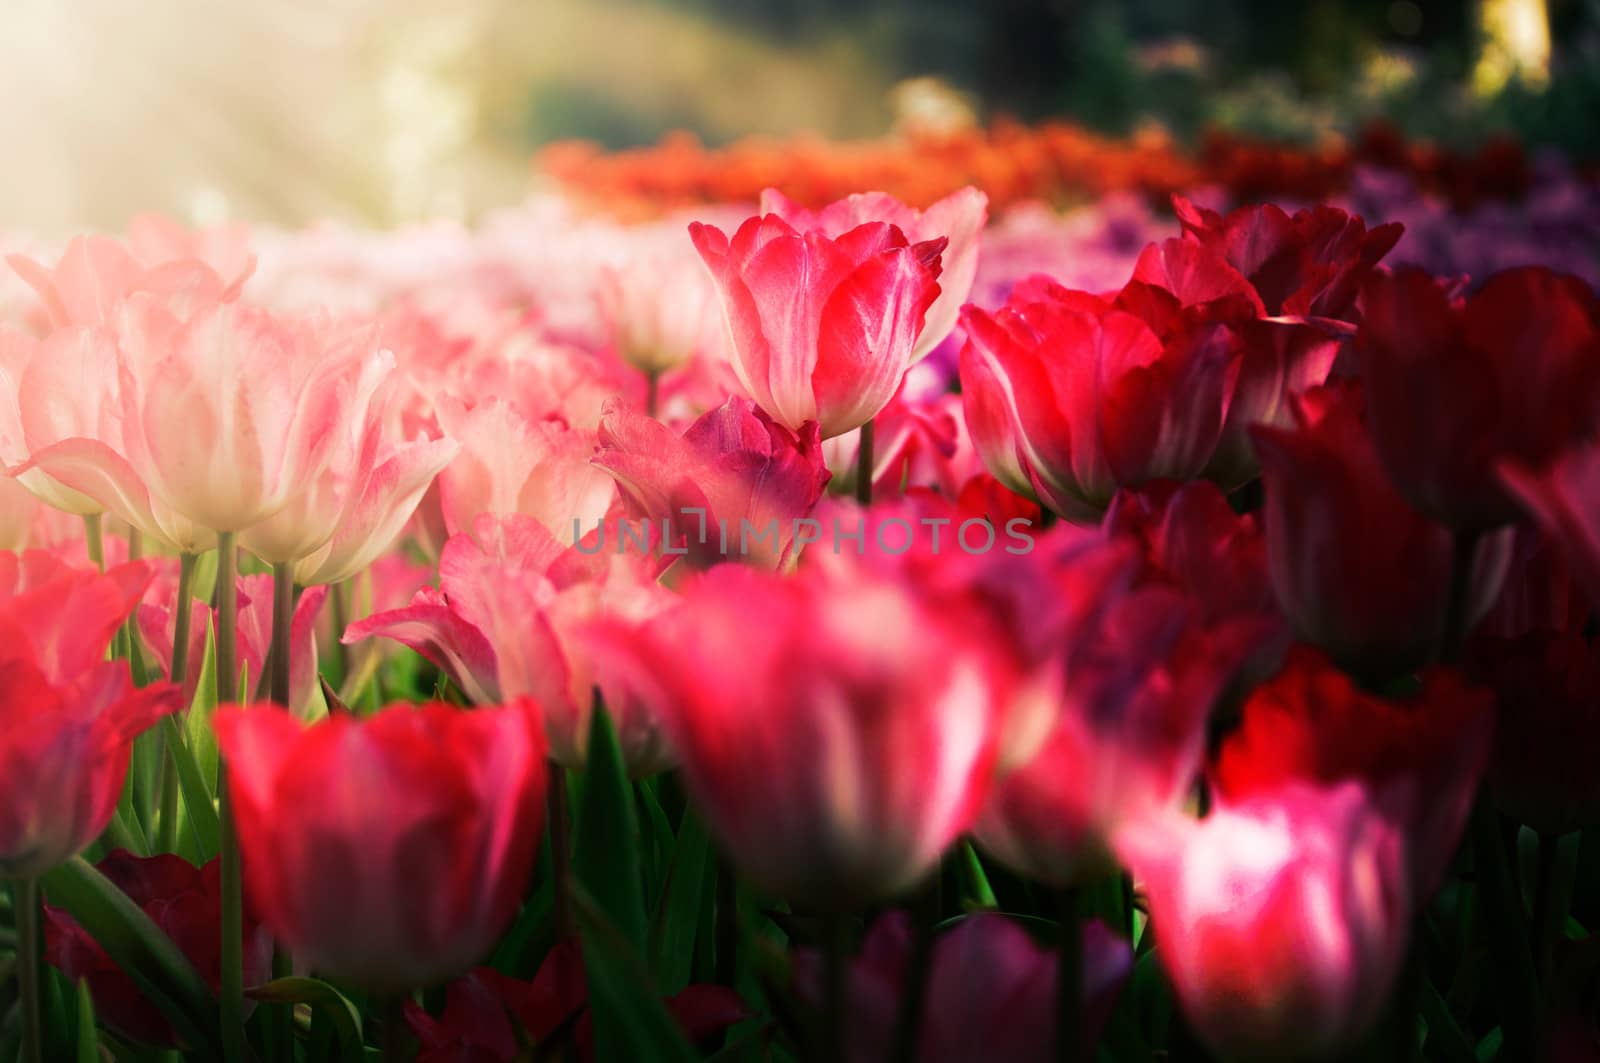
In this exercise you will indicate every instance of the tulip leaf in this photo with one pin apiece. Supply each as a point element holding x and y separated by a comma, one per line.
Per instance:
<point>631,1023</point>
<point>681,903</point>
<point>606,860</point>
<point>327,1001</point>
<point>197,799</point>
<point>158,967</point>
<point>88,1041</point>
<point>202,743</point>
<point>658,841</point>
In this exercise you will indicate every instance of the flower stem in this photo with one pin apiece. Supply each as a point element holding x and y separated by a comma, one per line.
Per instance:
<point>1457,615</point>
<point>1543,925</point>
<point>232,995</point>
<point>183,609</point>
<point>282,618</point>
<point>26,912</point>
<point>864,465</point>
<point>391,1013</point>
<point>94,539</point>
<point>727,929</point>
<point>652,392</point>
<point>1069,978</point>
<point>560,852</point>
<point>908,1024</point>
<point>836,975</point>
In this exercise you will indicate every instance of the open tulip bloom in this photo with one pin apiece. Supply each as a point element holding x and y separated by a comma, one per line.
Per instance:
<point>489,663</point>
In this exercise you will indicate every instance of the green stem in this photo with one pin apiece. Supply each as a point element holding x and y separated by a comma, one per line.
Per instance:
<point>560,852</point>
<point>864,465</point>
<point>183,609</point>
<point>1457,616</point>
<point>135,544</point>
<point>27,912</point>
<point>1543,925</point>
<point>94,538</point>
<point>232,995</point>
<point>652,392</point>
<point>391,1012</point>
<point>727,929</point>
<point>282,618</point>
<point>1069,978</point>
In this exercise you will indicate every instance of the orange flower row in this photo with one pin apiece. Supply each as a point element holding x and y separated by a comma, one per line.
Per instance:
<point>1009,161</point>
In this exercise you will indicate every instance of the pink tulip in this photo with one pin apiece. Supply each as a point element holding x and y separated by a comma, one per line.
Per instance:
<point>823,328</point>
<point>958,218</point>
<point>157,620</point>
<point>68,717</point>
<point>390,851</point>
<point>510,464</point>
<point>1283,919</point>
<point>837,739</point>
<point>506,621</point>
<point>734,471</point>
<point>661,309</point>
<point>1127,738</point>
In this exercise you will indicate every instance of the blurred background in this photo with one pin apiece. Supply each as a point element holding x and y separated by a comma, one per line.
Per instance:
<point>380,111</point>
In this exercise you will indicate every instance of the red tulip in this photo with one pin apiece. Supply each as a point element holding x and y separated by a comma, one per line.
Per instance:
<point>1069,396</point>
<point>506,619</point>
<point>185,902</point>
<point>990,994</point>
<point>390,851</point>
<point>1547,735</point>
<point>837,738</point>
<point>68,717</point>
<point>1311,263</point>
<point>1310,722</point>
<point>1454,388</point>
<point>728,480</point>
<point>823,328</point>
<point>1358,571</point>
<point>1565,500</point>
<point>1283,920</point>
<point>958,218</point>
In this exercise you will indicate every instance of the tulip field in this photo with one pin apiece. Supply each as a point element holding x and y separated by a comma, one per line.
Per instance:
<point>1020,596</point>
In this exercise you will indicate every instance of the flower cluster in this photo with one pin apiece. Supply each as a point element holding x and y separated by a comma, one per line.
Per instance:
<point>816,632</point>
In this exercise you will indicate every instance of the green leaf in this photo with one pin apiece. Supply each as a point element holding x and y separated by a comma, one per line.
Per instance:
<point>606,861</point>
<point>327,1001</point>
<point>88,1042</point>
<point>202,743</point>
<point>977,882</point>
<point>160,970</point>
<point>631,1024</point>
<point>198,801</point>
<point>681,903</point>
<point>658,840</point>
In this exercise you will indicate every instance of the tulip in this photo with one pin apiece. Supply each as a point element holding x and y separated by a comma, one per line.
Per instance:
<point>823,328</point>
<point>1358,571</point>
<point>1132,696</point>
<point>157,617</point>
<point>185,903</point>
<point>1310,722</point>
<point>958,218</point>
<point>1565,500</point>
<point>837,738</point>
<point>506,621</point>
<point>990,994</point>
<point>1547,735</point>
<point>1312,262</point>
<point>661,309</point>
<point>1283,919</point>
<point>1068,397</point>
<point>733,470</point>
<point>70,716</point>
<point>510,464</point>
<point>1511,374</point>
<point>390,851</point>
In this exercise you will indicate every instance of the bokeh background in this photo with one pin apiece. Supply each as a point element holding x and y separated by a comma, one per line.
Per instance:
<point>380,111</point>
